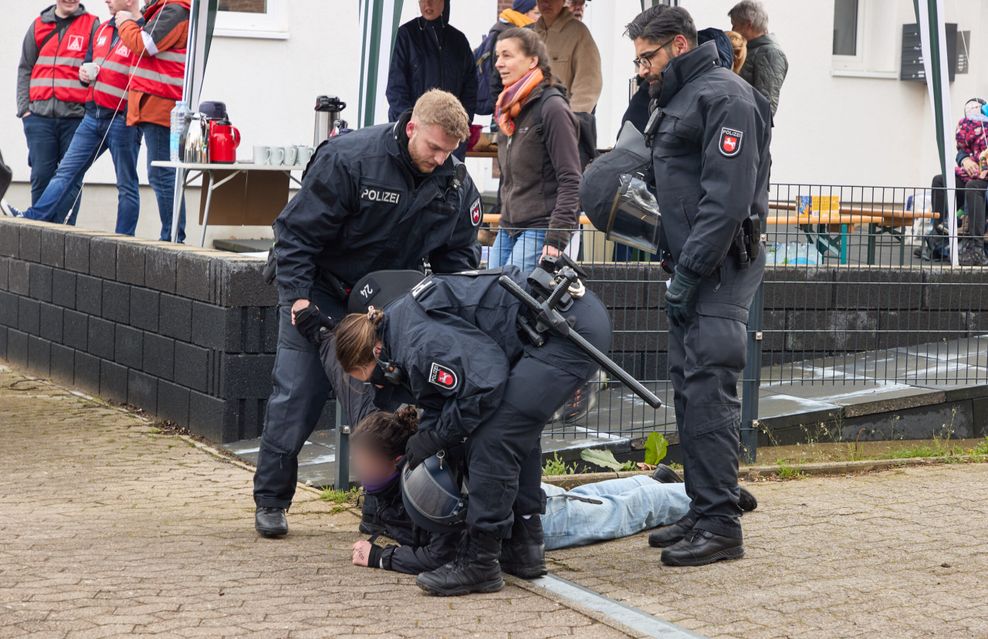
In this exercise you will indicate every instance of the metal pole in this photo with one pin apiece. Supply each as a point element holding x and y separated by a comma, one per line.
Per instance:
<point>342,450</point>
<point>751,380</point>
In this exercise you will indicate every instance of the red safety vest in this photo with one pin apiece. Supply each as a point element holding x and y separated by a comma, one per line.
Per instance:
<point>56,71</point>
<point>162,74</point>
<point>115,61</point>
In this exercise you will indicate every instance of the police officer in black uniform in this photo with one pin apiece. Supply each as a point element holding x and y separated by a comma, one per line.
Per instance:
<point>384,197</point>
<point>709,132</point>
<point>456,346</point>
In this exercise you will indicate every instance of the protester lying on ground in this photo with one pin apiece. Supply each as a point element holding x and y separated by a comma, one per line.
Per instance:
<point>586,514</point>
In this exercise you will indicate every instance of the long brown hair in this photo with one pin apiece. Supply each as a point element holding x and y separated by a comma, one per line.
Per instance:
<point>532,46</point>
<point>386,433</point>
<point>356,337</point>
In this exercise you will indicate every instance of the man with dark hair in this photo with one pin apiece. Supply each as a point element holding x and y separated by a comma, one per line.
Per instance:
<point>710,134</point>
<point>766,66</point>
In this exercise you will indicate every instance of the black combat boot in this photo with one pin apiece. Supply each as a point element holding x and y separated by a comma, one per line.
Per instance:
<point>271,522</point>
<point>475,569</point>
<point>702,547</point>
<point>524,554</point>
<point>669,535</point>
<point>666,475</point>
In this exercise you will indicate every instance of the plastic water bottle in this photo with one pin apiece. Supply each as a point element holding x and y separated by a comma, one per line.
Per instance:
<point>179,123</point>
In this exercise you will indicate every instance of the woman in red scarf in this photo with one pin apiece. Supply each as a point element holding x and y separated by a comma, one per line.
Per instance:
<point>538,154</point>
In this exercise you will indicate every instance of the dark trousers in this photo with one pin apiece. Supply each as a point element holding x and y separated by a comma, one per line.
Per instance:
<point>502,454</point>
<point>706,358</point>
<point>48,140</point>
<point>301,388</point>
<point>156,138</point>
<point>970,197</point>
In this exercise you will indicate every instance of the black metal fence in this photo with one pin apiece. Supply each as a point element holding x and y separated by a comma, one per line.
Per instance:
<point>858,291</point>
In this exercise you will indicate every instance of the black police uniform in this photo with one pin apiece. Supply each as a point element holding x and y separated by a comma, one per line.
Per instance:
<point>711,157</point>
<point>362,207</point>
<point>455,339</point>
<point>418,550</point>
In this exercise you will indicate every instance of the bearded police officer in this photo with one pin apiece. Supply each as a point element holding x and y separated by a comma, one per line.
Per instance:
<point>384,197</point>
<point>709,133</point>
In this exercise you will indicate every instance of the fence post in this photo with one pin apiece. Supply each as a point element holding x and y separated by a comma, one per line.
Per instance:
<point>751,380</point>
<point>342,450</point>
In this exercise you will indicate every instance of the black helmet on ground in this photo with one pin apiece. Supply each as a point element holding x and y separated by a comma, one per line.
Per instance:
<point>432,495</point>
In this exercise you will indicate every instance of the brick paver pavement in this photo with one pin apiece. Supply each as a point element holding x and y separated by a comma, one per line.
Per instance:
<point>889,555</point>
<point>110,530</point>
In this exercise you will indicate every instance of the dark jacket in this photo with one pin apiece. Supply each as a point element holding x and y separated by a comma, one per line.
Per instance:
<point>363,208</point>
<point>430,55</point>
<point>419,550</point>
<point>52,108</point>
<point>766,67</point>
<point>455,338</point>
<point>711,157</point>
<point>540,168</point>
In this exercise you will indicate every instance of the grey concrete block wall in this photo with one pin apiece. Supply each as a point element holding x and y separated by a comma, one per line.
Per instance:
<point>186,334</point>
<point>189,334</point>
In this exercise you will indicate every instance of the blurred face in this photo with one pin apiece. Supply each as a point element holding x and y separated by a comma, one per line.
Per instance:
<point>512,64</point>
<point>370,466</point>
<point>429,146</point>
<point>65,8</point>
<point>653,57</point>
<point>550,9</point>
<point>120,5</point>
<point>577,7</point>
<point>534,14</point>
<point>431,9</point>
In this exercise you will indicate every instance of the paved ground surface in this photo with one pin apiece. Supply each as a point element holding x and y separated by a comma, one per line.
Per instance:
<point>111,529</point>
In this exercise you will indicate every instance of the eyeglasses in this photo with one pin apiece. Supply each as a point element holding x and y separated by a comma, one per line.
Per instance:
<point>645,59</point>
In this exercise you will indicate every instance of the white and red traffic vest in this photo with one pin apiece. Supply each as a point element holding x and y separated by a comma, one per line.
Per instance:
<point>162,74</point>
<point>115,60</point>
<point>56,72</point>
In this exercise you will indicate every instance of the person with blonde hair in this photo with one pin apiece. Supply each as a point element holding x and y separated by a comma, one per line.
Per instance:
<point>383,197</point>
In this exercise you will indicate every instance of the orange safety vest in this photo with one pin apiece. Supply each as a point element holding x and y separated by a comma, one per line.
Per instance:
<point>162,74</point>
<point>115,61</point>
<point>56,71</point>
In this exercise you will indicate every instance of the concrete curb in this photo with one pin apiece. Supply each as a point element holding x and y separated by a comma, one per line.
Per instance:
<point>821,469</point>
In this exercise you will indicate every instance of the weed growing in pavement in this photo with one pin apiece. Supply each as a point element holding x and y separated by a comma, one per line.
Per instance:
<point>787,471</point>
<point>981,448</point>
<point>557,466</point>
<point>341,499</point>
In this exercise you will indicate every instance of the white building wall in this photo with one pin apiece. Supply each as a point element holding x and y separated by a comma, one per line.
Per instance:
<point>834,126</point>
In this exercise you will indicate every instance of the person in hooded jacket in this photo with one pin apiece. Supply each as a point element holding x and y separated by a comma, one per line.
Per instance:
<point>429,53</point>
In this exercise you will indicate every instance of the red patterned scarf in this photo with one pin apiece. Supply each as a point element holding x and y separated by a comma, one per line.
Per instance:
<point>513,97</point>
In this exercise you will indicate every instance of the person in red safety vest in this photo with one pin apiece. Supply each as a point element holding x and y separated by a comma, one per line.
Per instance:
<point>50,98</point>
<point>160,44</point>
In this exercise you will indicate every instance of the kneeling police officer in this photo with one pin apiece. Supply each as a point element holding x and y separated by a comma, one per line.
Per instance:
<point>709,133</point>
<point>465,350</point>
<point>383,197</point>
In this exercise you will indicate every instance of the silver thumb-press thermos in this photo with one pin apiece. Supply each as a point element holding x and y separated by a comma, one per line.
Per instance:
<point>328,122</point>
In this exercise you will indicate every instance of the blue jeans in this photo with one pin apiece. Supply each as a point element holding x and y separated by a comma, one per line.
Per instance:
<point>522,250</point>
<point>631,505</point>
<point>48,140</point>
<point>162,180</point>
<point>93,138</point>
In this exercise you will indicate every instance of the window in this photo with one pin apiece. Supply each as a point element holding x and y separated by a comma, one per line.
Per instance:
<point>244,6</point>
<point>845,27</point>
<point>252,19</point>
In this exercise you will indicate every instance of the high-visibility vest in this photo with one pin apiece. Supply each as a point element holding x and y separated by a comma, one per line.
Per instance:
<point>162,74</point>
<point>115,60</point>
<point>56,71</point>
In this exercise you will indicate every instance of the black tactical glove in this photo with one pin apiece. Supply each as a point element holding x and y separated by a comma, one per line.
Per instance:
<point>421,446</point>
<point>680,294</point>
<point>313,325</point>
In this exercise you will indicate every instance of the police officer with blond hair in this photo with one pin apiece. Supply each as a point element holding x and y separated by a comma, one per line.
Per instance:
<point>384,197</point>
